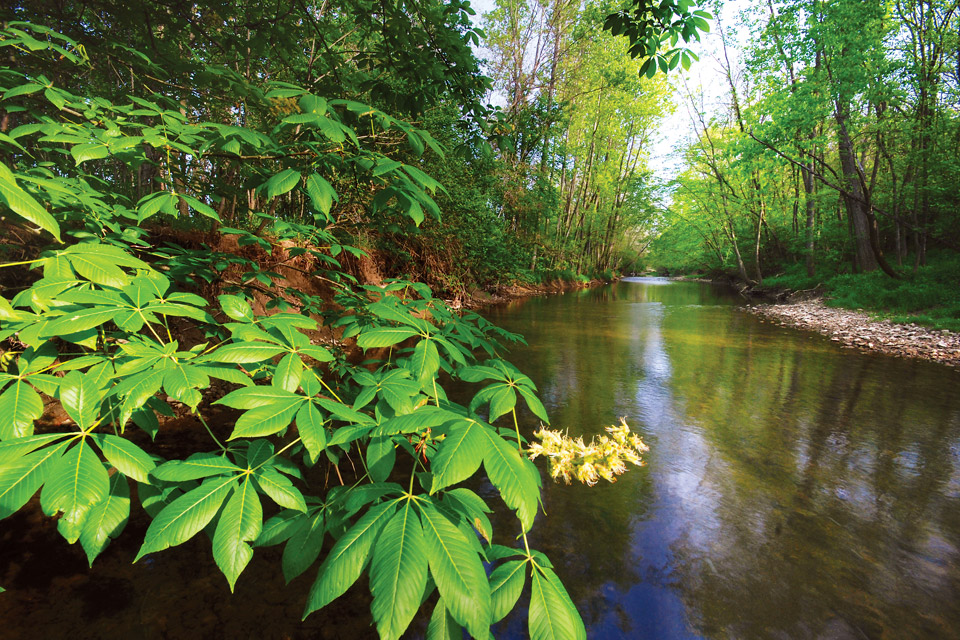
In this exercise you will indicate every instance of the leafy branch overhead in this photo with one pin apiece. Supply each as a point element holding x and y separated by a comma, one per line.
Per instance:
<point>106,325</point>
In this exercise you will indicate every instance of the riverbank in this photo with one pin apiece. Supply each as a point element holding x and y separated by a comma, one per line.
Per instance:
<point>858,330</point>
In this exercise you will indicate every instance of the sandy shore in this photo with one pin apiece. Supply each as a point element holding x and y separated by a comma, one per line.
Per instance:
<point>858,330</point>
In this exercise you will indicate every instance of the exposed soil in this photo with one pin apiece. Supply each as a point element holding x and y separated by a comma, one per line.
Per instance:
<point>856,329</point>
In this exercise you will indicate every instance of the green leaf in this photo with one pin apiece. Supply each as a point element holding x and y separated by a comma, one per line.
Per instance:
<point>101,269</point>
<point>381,456</point>
<point>256,396</point>
<point>80,397</point>
<point>186,516</point>
<point>346,560</point>
<point>88,151</point>
<point>533,402</point>
<point>552,614</point>
<point>321,192</point>
<point>384,337</point>
<point>20,405</point>
<point>236,307</point>
<point>23,204</point>
<point>304,547</point>
<point>77,321</point>
<point>425,361</point>
<point>516,478</point>
<point>198,465</point>
<point>280,528</point>
<point>266,420</point>
<point>128,458</point>
<point>442,625</point>
<point>182,382</point>
<point>506,584</point>
<point>503,400</point>
<point>282,182</point>
<point>458,572</point>
<point>459,455</point>
<point>239,524</point>
<point>310,425</point>
<point>76,483</point>
<point>288,373</point>
<point>16,448</point>
<point>107,518</point>
<point>245,352</point>
<point>317,353</point>
<point>21,479</point>
<point>398,573</point>
<point>280,489</point>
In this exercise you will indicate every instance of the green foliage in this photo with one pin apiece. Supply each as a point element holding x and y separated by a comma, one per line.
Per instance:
<point>104,331</point>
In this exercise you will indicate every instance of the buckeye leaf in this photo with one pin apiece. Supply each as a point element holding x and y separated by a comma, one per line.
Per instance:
<point>245,352</point>
<point>280,489</point>
<point>198,465</point>
<point>239,524</point>
<point>186,516</point>
<point>20,405</point>
<point>384,337</point>
<point>128,458</point>
<point>459,455</point>
<point>506,583</point>
<point>21,479</point>
<point>267,420</point>
<point>552,614</point>
<point>398,573</point>
<point>458,572</point>
<point>76,483</point>
<point>303,548</point>
<point>517,480</point>
<point>107,518</point>
<point>310,424</point>
<point>346,560</point>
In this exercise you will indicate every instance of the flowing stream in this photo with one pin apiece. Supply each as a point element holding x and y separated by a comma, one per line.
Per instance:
<point>793,490</point>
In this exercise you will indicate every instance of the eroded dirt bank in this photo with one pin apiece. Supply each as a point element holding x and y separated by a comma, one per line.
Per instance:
<point>858,330</point>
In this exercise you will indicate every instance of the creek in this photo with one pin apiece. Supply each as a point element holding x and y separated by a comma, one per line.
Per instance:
<point>792,489</point>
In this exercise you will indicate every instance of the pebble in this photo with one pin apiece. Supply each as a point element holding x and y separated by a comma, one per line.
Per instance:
<point>857,329</point>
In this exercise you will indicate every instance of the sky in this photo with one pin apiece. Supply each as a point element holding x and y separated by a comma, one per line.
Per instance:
<point>677,128</point>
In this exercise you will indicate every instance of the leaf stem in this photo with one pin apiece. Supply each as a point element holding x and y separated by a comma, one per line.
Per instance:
<point>207,427</point>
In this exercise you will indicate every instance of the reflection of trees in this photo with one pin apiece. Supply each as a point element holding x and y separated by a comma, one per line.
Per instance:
<point>791,488</point>
<point>832,480</point>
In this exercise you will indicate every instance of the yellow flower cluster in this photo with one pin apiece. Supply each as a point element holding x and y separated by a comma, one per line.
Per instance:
<point>602,458</point>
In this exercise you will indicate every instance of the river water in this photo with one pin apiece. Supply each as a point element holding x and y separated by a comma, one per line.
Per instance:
<point>793,489</point>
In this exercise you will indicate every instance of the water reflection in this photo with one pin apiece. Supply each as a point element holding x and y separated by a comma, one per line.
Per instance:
<point>793,489</point>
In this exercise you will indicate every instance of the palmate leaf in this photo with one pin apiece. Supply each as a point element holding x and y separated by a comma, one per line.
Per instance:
<point>257,396</point>
<point>16,448</point>
<point>515,477</point>
<point>442,625</point>
<point>245,352</point>
<point>182,382</point>
<point>457,570</point>
<point>304,546</point>
<point>459,455</point>
<point>425,361</point>
<point>107,518</point>
<point>239,524</point>
<point>128,458</point>
<point>506,584</point>
<point>20,405</point>
<point>187,515</point>
<point>267,420</point>
<point>76,483</point>
<point>288,373</point>
<point>310,425</point>
<point>552,614</point>
<point>280,489</point>
<point>346,560</point>
<point>80,397</point>
<point>23,204</point>
<point>198,465</point>
<point>21,479</point>
<point>398,573</point>
<point>384,336</point>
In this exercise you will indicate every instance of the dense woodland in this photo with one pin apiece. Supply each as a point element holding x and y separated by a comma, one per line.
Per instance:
<point>246,217</point>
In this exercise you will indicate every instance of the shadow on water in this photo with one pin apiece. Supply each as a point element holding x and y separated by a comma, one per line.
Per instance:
<point>792,490</point>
